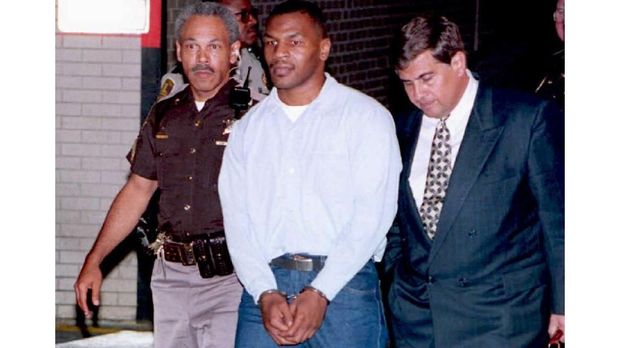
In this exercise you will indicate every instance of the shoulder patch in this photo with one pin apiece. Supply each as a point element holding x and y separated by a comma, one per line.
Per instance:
<point>166,88</point>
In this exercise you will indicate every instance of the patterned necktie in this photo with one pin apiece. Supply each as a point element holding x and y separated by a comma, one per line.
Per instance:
<point>437,177</point>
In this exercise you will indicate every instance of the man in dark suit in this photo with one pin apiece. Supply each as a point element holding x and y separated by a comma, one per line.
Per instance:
<point>477,248</point>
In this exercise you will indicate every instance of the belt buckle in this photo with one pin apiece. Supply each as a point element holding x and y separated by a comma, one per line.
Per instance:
<point>301,258</point>
<point>303,263</point>
<point>179,252</point>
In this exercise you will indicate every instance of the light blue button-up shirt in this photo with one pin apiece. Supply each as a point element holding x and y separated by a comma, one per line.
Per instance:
<point>326,184</point>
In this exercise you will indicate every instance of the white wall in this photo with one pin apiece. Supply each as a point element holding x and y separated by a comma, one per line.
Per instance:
<point>97,119</point>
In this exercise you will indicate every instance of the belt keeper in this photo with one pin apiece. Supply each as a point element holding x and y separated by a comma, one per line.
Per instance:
<point>271,291</point>
<point>315,290</point>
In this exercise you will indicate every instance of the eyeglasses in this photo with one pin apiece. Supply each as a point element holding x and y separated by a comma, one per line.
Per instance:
<point>244,15</point>
<point>558,14</point>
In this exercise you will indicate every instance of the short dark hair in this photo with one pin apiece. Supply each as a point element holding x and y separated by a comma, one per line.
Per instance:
<point>428,32</point>
<point>302,6</point>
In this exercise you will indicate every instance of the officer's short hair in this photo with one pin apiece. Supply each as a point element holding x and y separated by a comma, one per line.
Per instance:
<point>207,9</point>
<point>427,32</point>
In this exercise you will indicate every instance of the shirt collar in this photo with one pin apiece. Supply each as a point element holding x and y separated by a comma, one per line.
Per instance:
<point>220,98</point>
<point>324,93</point>
<point>465,104</point>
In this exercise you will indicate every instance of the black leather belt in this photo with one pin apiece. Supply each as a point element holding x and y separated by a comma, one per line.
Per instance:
<point>179,252</point>
<point>298,262</point>
<point>209,252</point>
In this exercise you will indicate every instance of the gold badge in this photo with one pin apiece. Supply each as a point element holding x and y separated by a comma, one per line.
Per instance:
<point>229,122</point>
<point>161,135</point>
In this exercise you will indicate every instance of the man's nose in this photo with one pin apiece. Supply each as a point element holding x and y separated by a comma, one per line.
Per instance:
<point>280,50</point>
<point>203,56</point>
<point>252,20</point>
<point>414,91</point>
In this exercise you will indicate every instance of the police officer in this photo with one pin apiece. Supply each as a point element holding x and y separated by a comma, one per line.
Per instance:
<point>179,151</point>
<point>551,86</point>
<point>251,69</point>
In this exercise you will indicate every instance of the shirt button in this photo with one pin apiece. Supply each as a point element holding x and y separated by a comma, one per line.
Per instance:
<point>187,207</point>
<point>430,279</point>
<point>291,170</point>
<point>190,178</point>
<point>192,150</point>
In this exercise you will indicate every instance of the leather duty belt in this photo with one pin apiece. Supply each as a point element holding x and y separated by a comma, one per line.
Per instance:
<point>208,252</point>
<point>297,262</point>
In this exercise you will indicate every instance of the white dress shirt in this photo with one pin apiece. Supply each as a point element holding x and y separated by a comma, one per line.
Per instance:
<point>326,184</point>
<point>456,123</point>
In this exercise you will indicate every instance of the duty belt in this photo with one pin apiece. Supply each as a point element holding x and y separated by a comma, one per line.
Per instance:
<point>300,262</point>
<point>208,251</point>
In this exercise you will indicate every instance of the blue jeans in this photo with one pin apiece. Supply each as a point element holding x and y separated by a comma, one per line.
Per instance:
<point>354,318</point>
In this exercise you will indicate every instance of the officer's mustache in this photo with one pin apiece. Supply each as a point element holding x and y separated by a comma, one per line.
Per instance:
<point>203,67</point>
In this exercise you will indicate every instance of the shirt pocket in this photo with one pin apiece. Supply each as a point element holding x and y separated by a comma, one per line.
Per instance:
<point>167,157</point>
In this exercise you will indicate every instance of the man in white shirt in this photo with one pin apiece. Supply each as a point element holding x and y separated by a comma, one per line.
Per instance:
<point>308,188</point>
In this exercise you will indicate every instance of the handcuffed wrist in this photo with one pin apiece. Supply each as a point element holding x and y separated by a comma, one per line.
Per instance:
<point>270,291</point>
<point>315,290</point>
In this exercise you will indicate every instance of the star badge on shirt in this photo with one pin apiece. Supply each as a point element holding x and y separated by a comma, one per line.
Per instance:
<point>229,123</point>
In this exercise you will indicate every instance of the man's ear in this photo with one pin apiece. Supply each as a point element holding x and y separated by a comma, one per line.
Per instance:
<point>324,48</point>
<point>178,50</point>
<point>458,62</point>
<point>235,55</point>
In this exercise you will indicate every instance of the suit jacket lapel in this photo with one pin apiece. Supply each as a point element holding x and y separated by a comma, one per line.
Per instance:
<point>411,132</point>
<point>481,135</point>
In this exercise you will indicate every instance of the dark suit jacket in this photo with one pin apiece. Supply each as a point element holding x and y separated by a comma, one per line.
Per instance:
<point>495,270</point>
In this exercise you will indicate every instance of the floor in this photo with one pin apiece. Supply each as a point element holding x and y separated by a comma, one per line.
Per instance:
<point>107,334</point>
<point>119,339</point>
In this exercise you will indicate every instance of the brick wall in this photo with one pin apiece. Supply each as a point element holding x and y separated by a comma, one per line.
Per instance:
<point>97,118</point>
